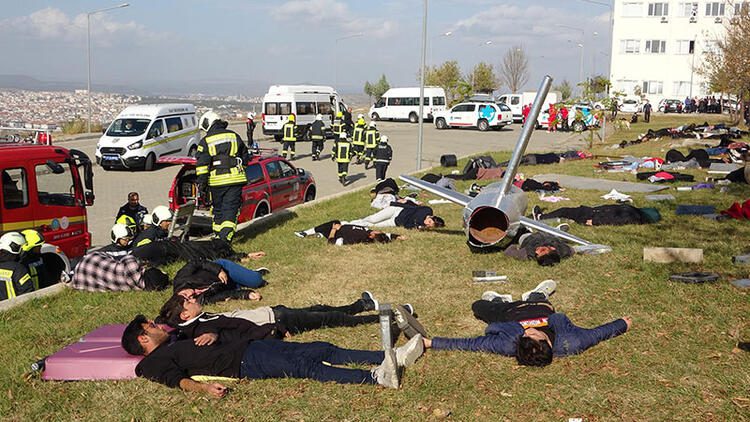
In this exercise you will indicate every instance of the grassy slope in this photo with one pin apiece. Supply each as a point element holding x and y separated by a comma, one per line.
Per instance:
<point>677,363</point>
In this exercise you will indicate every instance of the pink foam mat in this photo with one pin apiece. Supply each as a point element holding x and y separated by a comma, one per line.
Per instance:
<point>91,360</point>
<point>106,333</point>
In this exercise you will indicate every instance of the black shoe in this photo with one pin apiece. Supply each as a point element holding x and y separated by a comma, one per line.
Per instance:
<point>371,304</point>
<point>408,323</point>
<point>536,212</point>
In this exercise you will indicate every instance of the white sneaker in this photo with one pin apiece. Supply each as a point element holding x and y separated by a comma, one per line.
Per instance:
<point>387,373</point>
<point>491,295</point>
<point>546,287</point>
<point>407,354</point>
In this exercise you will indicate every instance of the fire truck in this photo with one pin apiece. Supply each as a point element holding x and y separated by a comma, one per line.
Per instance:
<point>48,188</point>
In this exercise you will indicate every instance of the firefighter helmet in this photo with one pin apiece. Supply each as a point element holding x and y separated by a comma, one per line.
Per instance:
<point>33,239</point>
<point>12,242</point>
<point>120,231</point>
<point>208,119</point>
<point>161,213</point>
<point>292,118</point>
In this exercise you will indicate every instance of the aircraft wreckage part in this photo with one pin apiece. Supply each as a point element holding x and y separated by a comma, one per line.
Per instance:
<point>487,226</point>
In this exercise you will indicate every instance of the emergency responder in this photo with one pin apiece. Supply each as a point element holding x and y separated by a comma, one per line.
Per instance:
<point>342,154</point>
<point>220,168</point>
<point>133,208</point>
<point>250,128</point>
<point>348,122</point>
<point>290,137</point>
<point>13,274</point>
<point>383,156</point>
<point>31,258</point>
<point>358,140</point>
<point>318,136</point>
<point>128,221</point>
<point>338,125</point>
<point>122,241</point>
<point>372,137</point>
<point>162,219</point>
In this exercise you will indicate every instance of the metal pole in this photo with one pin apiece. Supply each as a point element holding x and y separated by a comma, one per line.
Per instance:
<point>421,88</point>
<point>580,71</point>
<point>88,61</point>
<point>692,67</point>
<point>523,139</point>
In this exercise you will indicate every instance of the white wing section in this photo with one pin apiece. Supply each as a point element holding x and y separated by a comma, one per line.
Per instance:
<point>539,226</point>
<point>442,192</point>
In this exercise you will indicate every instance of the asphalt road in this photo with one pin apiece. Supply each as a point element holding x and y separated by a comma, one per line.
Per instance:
<point>111,187</point>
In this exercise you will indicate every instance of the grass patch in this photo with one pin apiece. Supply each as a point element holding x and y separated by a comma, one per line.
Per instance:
<point>677,363</point>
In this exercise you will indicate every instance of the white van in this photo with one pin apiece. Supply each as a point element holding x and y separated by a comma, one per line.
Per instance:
<point>517,101</point>
<point>403,104</point>
<point>304,101</point>
<point>141,134</point>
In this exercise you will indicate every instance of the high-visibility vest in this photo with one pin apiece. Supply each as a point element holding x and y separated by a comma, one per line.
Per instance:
<point>225,166</point>
<point>342,151</point>
<point>337,127</point>
<point>317,131</point>
<point>372,137</point>
<point>289,129</point>
<point>359,136</point>
<point>12,283</point>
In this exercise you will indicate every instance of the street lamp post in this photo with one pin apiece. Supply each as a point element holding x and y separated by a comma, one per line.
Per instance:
<point>420,138</point>
<point>88,55</point>
<point>611,19</point>
<point>336,57</point>
<point>580,45</point>
<point>432,42</point>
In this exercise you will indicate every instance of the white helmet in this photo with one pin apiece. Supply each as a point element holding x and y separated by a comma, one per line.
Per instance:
<point>120,231</point>
<point>147,220</point>
<point>12,242</point>
<point>373,124</point>
<point>360,116</point>
<point>318,117</point>
<point>384,139</point>
<point>161,213</point>
<point>342,135</point>
<point>209,118</point>
<point>250,115</point>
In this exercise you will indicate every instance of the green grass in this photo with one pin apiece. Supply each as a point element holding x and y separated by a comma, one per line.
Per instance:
<point>677,363</point>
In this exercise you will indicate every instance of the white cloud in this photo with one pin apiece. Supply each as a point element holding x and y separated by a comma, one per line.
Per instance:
<point>52,23</point>
<point>335,14</point>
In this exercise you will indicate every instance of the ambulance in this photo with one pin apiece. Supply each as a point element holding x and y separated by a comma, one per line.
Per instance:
<point>141,134</point>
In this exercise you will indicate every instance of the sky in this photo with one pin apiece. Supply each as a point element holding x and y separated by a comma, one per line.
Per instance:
<point>245,45</point>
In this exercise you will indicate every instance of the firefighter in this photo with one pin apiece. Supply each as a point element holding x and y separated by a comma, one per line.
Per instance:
<point>342,154</point>
<point>318,136</point>
<point>358,140</point>
<point>31,258</point>
<point>220,168</point>
<point>159,230</point>
<point>372,137</point>
<point>383,156</point>
<point>128,221</point>
<point>249,129</point>
<point>13,274</point>
<point>122,241</point>
<point>338,125</point>
<point>290,137</point>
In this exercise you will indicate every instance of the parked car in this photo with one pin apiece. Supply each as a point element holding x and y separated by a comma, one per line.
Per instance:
<point>273,184</point>
<point>631,105</point>
<point>580,118</point>
<point>483,116</point>
<point>670,105</point>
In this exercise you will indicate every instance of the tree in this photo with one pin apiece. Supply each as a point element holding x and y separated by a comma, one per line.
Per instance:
<point>515,69</point>
<point>592,87</point>
<point>566,90</point>
<point>446,76</point>
<point>726,66</point>
<point>483,78</point>
<point>377,89</point>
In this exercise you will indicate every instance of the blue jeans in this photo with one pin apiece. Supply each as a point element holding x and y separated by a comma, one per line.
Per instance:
<point>280,359</point>
<point>240,275</point>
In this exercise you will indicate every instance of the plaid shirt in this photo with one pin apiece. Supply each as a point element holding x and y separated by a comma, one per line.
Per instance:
<point>100,272</point>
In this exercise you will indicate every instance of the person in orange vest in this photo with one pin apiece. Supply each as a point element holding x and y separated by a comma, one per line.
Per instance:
<point>564,118</point>
<point>552,119</point>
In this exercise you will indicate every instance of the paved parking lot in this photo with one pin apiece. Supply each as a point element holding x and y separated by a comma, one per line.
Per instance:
<point>112,187</point>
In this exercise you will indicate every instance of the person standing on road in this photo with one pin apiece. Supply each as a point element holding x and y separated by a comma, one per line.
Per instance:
<point>220,170</point>
<point>290,137</point>
<point>250,128</point>
<point>372,137</point>
<point>552,118</point>
<point>614,108</point>
<point>318,136</point>
<point>338,125</point>
<point>564,118</point>
<point>647,112</point>
<point>342,154</point>
<point>348,122</point>
<point>383,156</point>
<point>358,140</point>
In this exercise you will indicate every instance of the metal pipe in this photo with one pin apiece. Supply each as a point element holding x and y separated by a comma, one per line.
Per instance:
<point>523,139</point>
<point>420,139</point>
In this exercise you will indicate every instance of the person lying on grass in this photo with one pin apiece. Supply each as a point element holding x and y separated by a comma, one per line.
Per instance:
<point>339,233</point>
<point>402,213</point>
<point>603,215</point>
<point>173,362</point>
<point>221,279</point>
<point>545,249</point>
<point>530,329</point>
<point>185,313</point>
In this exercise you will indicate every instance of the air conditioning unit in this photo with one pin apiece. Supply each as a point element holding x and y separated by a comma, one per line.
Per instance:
<point>664,19</point>
<point>693,19</point>
<point>717,19</point>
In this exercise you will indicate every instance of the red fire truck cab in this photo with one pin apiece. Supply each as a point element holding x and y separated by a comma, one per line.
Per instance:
<point>43,189</point>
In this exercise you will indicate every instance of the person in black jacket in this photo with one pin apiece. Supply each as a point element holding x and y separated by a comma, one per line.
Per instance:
<point>383,155</point>
<point>133,209</point>
<point>402,213</point>
<point>218,280</point>
<point>348,234</point>
<point>14,276</point>
<point>318,136</point>
<point>603,215</point>
<point>546,249</point>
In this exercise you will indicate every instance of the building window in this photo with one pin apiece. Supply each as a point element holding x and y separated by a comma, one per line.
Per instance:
<point>741,7</point>
<point>653,87</point>
<point>655,46</point>
<point>715,9</point>
<point>687,9</point>
<point>632,9</point>
<point>711,47</point>
<point>658,9</point>
<point>630,46</point>
<point>681,88</point>
<point>683,47</point>
<point>628,86</point>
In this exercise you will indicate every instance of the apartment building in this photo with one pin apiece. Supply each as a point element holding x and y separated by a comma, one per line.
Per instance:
<point>657,46</point>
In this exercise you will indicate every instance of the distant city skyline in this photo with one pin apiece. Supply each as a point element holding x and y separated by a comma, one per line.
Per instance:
<point>234,46</point>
